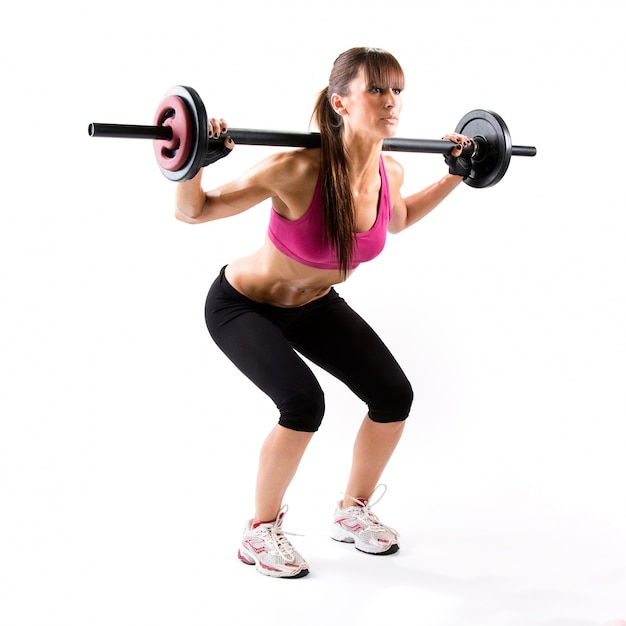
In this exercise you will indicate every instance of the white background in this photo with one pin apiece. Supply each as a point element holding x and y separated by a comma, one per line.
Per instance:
<point>128,443</point>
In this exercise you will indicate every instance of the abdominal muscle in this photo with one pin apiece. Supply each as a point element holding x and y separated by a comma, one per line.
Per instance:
<point>270,277</point>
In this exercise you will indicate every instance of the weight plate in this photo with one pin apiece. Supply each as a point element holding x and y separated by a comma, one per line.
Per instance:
<point>494,143</point>
<point>195,135</point>
<point>172,154</point>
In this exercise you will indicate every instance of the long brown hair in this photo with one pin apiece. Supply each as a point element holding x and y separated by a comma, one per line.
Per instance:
<point>381,70</point>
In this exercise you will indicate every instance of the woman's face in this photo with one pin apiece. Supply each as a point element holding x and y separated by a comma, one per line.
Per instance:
<point>372,110</point>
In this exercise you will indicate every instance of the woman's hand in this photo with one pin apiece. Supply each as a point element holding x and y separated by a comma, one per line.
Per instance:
<point>215,128</point>
<point>458,164</point>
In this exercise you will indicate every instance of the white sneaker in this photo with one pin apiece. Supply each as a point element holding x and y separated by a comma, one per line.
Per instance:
<point>357,524</point>
<point>266,547</point>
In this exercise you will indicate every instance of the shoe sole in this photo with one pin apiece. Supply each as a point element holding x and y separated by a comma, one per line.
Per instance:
<point>272,573</point>
<point>392,549</point>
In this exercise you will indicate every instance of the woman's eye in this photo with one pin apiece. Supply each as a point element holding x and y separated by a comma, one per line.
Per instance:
<point>380,90</point>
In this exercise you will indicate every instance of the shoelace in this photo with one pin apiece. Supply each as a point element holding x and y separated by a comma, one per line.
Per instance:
<point>276,536</point>
<point>367,515</point>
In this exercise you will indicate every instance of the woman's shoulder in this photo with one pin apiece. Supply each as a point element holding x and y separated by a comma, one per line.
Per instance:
<point>290,178</point>
<point>298,162</point>
<point>394,170</point>
<point>283,170</point>
<point>293,167</point>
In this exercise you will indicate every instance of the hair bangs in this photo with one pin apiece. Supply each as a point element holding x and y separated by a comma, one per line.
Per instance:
<point>382,70</point>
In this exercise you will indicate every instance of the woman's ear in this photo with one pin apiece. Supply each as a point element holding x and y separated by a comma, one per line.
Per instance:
<point>336,102</point>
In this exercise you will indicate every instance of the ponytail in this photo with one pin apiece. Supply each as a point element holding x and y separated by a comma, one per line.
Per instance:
<point>339,219</point>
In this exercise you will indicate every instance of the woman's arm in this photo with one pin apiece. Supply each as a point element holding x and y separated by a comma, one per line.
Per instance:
<point>407,211</point>
<point>281,176</point>
<point>194,205</point>
<point>276,177</point>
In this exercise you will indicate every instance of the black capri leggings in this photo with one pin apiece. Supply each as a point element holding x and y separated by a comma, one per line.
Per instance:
<point>262,340</point>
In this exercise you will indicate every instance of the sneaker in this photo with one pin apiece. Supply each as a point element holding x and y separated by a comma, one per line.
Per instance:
<point>265,546</point>
<point>357,524</point>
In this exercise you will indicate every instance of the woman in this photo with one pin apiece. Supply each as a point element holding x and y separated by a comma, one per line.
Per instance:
<point>331,209</point>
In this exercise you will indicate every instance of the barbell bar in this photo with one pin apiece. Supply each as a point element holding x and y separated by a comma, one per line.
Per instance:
<point>180,139</point>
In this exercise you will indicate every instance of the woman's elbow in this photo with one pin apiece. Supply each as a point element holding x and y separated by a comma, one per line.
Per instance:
<point>182,216</point>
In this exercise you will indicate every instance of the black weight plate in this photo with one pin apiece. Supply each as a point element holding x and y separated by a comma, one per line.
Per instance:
<point>200,133</point>
<point>495,146</point>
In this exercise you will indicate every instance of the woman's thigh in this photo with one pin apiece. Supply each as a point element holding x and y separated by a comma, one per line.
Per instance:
<point>259,349</point>
<point>341,342</point>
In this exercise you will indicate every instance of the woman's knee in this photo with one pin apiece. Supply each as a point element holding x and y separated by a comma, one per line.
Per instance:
<point>303,410</point>
<point>393,404</point>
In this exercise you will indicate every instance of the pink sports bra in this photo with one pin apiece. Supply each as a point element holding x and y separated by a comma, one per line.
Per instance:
<point>304,241</point>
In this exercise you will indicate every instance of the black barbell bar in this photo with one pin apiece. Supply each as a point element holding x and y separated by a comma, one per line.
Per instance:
<point>181,142</point>
<point>253,137</point>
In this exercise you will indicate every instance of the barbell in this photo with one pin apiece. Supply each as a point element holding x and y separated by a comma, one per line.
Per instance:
<point>181,142</point>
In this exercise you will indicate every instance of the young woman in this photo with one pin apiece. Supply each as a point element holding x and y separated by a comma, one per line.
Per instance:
<point>331,209</point>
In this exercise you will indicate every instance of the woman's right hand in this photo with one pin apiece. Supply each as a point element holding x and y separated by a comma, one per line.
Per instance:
<point>216,151</point>
<point>217,127</point>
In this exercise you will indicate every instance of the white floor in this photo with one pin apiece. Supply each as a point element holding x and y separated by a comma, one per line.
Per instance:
<point>126,517</point>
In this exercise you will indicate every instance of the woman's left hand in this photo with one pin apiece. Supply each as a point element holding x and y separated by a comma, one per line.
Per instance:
<point>458,165</point>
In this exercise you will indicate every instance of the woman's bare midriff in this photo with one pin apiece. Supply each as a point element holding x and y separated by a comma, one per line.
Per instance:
<point>270,277</point>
